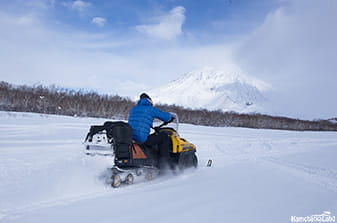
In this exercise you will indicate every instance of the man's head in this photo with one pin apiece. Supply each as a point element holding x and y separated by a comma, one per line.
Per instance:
<point>146,96</point>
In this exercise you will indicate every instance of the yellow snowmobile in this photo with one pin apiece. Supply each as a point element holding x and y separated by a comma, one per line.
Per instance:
<point>134,160</point>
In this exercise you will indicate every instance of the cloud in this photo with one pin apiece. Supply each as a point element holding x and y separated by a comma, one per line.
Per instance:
<point>99,21</point>
<point>22,20</point>
<point>295,50</point>
<point>77,5</point>
<point>167,26</point>
<point>35,53</point>
<point>102,62</point>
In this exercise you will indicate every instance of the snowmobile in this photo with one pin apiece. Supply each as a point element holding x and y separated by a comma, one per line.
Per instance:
<point>134,160</point>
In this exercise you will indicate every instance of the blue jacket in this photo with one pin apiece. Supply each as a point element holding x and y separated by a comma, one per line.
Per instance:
<point>141,119</point>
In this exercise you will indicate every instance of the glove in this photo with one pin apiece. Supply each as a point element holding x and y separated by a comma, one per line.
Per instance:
<point>172,119</point>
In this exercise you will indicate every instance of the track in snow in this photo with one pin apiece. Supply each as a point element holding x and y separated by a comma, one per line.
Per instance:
<point>326,178</point>
<point>45,176</point>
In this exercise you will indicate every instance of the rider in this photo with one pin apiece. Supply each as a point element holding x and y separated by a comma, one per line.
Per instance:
<point>141,119</point>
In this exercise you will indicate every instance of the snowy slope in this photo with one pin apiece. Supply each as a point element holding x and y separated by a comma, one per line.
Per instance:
<point>226,89</point>
<point>258,176</point>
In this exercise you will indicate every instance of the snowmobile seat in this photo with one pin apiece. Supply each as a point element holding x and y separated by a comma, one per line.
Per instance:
<point>128,153</point>
<point>138,156</point>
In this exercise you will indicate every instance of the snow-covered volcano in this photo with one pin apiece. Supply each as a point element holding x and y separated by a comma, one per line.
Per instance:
<point>225,89</point>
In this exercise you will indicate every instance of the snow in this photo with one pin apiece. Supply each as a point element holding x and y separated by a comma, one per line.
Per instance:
<point>257,176</point>
<point>227,89</point>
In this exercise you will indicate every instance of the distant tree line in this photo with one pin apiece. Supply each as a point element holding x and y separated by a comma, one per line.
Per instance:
<point>253,120</point>
<point>62,101</point>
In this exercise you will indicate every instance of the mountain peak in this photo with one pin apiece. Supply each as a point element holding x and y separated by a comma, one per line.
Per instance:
<point>212,88</point>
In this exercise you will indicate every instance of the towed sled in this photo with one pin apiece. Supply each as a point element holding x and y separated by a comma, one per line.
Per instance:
<point>135,161</point>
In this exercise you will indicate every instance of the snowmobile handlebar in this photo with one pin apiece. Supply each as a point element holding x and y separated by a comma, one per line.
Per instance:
<point>156,129</point>
<point>174,118</point>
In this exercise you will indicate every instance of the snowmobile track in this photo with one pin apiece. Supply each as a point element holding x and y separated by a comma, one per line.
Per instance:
<point>140,186</point>
<point>326,178</point>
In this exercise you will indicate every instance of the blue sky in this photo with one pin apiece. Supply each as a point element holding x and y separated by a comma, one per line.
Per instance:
<point>128,42</point>
<point>228,17</point>
<point>216,19</point>
<point>130,46</point>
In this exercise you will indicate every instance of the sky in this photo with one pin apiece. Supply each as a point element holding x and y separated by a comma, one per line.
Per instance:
<point>128,46</point>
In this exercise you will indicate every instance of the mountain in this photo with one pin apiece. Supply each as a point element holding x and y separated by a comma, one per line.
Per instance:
<point>227,89</point>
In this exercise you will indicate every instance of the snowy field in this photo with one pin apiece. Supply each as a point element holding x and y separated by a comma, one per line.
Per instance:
<point>257,176</point>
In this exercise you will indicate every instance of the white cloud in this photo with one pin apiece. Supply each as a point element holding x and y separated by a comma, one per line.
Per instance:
<point>99,21</point>
<point>120,64</point>
<point>93,61</point>
<point>295,50</point>
<point>24,20</point>
<point>167,27</point>
<point>78,5</point>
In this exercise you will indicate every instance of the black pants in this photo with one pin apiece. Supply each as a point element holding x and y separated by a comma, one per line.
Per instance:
<point>159,143</point>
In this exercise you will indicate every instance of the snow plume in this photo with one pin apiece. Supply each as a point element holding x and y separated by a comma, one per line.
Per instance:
<point>167,26</point>
<point>295,50</point>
